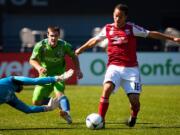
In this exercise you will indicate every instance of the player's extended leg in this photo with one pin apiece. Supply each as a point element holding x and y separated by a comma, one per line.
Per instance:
<point>65,109</point>
<point>132,87</point>
<point>64,104</point>
<point>108,87</point>
<point>41,94</point>
<point>135,107</point>
<point>19,105</point>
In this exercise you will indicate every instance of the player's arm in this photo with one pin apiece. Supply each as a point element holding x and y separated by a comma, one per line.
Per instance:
<point>141,32</point>
<point>70,52</point>
<point>33,81</point>
<point>37,66</point>
<point>92,42</point>
<point>161,36</point>
<point>36,58</point>
<point>89,44</point>
<point>77,66</point>
<point>22,80</point>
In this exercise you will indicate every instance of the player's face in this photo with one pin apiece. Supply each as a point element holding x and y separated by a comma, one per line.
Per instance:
<point>119,18</point>
<point>53,38</point>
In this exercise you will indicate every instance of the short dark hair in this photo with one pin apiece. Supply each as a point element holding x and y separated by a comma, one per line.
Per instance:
<point>123,8</point>
<point>54,29</point>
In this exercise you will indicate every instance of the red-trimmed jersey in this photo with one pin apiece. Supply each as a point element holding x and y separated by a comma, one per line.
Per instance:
<point>121,48</point>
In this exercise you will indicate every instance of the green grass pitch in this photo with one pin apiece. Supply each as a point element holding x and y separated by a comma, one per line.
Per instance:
<point>159,114</point>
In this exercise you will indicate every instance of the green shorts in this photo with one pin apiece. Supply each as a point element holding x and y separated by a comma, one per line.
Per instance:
<point>43,91</point>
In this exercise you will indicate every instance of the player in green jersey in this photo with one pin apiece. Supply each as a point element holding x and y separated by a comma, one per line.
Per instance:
<point>48,58</point>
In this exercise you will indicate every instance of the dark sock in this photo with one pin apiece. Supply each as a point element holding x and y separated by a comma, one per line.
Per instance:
<point>45,101</point>
<point>134,111</point>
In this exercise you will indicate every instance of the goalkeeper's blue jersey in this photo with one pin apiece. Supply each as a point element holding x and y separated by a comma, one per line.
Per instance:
<point>8,87</point>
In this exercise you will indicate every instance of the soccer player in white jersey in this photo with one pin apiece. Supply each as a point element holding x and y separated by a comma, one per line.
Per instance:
<point>122,66</point>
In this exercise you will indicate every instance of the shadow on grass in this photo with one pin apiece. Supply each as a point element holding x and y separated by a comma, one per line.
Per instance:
<point>51,128</point>
<point>109,126</point>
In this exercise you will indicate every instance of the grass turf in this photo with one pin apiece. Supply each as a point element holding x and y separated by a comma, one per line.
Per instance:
<point>159,114</point>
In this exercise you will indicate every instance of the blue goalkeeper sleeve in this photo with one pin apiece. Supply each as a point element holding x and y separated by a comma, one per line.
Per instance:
<point>34,81</point>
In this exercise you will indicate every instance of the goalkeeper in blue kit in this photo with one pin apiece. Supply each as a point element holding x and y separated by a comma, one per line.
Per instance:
<point>14,84</point>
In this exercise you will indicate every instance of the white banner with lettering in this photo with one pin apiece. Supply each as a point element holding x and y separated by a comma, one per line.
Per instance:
<point>155,68</point>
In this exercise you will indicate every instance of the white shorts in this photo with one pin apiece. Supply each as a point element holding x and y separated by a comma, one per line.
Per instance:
<point>127,77</point>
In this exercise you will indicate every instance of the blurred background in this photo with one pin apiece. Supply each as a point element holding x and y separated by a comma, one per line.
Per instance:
<point>78,19</point>
<point>24,22</point>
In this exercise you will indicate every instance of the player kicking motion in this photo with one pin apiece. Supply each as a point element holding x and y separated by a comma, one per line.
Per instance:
<point>122,66</point>
<point>48,58</point>
<point>14,84</point>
